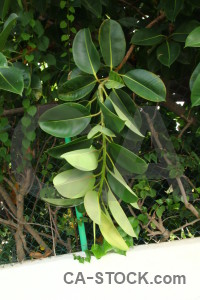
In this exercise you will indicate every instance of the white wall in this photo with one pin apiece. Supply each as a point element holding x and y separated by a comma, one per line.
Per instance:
<point>43,279</point>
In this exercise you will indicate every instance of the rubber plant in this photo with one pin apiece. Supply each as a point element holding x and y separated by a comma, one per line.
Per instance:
<point>97,114</point>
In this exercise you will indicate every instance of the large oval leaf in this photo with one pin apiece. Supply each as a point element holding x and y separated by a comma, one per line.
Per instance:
<point>194,75</point>
<point>119,215</point>
<point>76,88</point>
<point>195,95</point>
<point>61,202</point>
<point>83,159</point>
<point>74,183</point>
<point>11,80</point>
<point>79,143</point>
<point>65,120</point>
<point>111,234</point>
<point>92,206</point>
<point>168,52</point>
<point>85,54</point>
<point>120,188</point>
<point>147,37</point>
<point>127,159</point>
<point>122,111</point>
<point>193,39</point>
<point>111,120</point>
<point>146,85</point>
<point>112,42</point>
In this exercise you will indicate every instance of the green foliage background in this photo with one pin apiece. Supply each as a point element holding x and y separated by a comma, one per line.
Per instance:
<point>36,58</point>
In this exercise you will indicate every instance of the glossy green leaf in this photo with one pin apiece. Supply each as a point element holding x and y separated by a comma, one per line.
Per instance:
<point>65,120</point>
<point>194,75</point>
<point>122,112</point>
<point>120,188</point>
<point>193,39</point>
<point>74,183</point>
<point>119,215</point>
<point>181,33</point>
<point>127,159</point>
<point>98,128</point>
<point>83,159</point>
<point>92,206</point>
<point>147,37</point>
<point>195,93</point>
<point>130,106</point>
<point>114,81</point>
<point>76,88</point>
<point>172,8</point>
<point>85,54</point>
<point>146,85</point>
<point>8,26</point>
<point>112,42</point>
<point>94,7</point>
<point>11,80</point>
<point>79,143</point>
<point>61,202</point>
<point>168,52</point>
<point>110,233</point>
<point>111,120</point>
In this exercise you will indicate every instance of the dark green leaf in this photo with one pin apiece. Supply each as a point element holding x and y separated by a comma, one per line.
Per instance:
<point>94,6</point>
<point>85,54</point>
<point>4,7</point>
<point>112,121</point>
<point>112,42</point>
<point>127,159</point>
<point>146,85</point>
<point>8,26</point>
<point>76,88</point>
<point>128,21</point>
<point>65,120</point>
<point>147,37</point>
<point>168,52</point>
<point>172,8</point>
<point>121,110</point>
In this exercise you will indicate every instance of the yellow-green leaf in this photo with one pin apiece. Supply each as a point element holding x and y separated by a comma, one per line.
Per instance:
<point>119,215</point>
<point>92,206</point>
